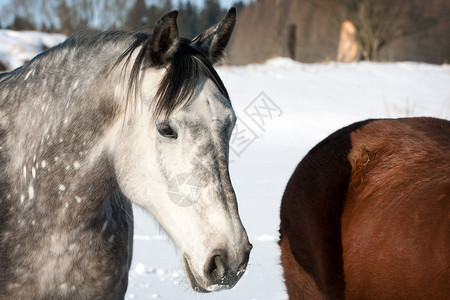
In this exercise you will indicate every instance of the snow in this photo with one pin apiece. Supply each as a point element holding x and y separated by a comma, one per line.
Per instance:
<point>16,47</point>
<point>284,109</point>
<point>139,269</point>
<point>309,102</point>
<point>314,100</point>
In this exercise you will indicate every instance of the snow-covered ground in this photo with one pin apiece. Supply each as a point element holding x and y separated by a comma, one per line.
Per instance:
<point>284,109</point>
<point>18,47</point>
<point>301,104</point>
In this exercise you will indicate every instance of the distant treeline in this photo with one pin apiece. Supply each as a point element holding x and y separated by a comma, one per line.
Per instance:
<point>309,30</point>
<point>68,16</point>
<point>305,30</point>
<point>191,20</point>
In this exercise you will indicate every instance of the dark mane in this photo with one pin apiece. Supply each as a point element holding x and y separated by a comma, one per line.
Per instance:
<point>183,71</point>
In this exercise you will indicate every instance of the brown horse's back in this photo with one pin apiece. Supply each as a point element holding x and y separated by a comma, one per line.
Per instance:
<point>366,214</point>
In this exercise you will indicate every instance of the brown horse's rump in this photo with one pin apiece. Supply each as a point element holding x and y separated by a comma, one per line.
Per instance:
<point>366,214</point>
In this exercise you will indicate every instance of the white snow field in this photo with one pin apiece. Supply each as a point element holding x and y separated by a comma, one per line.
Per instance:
<point>301,104</point>
<point>18,47</point>
<point>284,109</point>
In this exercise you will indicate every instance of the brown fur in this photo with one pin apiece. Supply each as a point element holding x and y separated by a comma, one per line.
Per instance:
<point>299,284</point>
<point>389,182</point>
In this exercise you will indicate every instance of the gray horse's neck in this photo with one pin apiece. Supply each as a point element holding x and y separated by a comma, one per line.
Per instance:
<point>50,126</point>
<point>55,178</point>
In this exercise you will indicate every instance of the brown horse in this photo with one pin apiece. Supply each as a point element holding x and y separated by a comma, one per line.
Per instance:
<point>366,214</point>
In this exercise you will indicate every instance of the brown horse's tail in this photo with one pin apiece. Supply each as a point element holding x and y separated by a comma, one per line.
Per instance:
<point>311,210</point>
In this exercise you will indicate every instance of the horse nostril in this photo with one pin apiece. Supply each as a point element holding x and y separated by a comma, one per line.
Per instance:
<point>216,269</point>
<point>224,270</point>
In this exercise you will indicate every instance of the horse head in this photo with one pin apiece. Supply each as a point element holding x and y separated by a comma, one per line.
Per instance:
<point>171,153</point>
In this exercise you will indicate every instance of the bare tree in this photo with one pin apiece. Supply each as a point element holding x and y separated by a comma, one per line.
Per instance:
<point>378,22</point>
<point>381,22</point>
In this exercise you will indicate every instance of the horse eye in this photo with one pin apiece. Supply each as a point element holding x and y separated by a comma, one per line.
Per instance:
<point>166,131</point>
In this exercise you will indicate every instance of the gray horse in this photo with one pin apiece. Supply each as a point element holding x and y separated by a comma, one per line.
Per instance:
<point>98,120</point>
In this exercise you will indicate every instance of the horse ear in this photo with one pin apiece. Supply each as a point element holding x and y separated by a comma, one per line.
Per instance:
<point>213,41</point>
<point>164,40</point>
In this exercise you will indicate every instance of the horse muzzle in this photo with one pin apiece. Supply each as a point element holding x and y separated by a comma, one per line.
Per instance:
<point>220,271</point>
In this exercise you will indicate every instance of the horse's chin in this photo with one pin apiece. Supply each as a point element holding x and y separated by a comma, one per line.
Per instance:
<point>192,279</point>
<point>199,285</point>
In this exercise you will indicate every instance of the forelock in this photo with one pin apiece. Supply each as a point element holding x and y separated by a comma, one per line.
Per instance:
<point>181,77</point>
